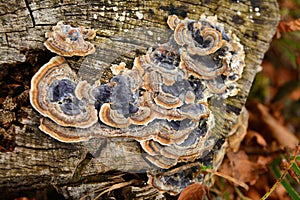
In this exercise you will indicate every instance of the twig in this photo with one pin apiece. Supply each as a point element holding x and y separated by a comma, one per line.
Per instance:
<point>116,186</point>
<point>240,183</point>
<point>291,162</point>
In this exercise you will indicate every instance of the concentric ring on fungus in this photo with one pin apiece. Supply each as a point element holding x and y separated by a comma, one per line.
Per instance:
<point>161,102</point>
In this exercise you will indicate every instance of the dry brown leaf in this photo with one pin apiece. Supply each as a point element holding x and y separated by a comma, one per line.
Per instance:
<point>288,4</point>
<point>295,95</point>
<point>282,135</point>
<point>280,193</point>
<point>264,161</point>
<point>285,27</point>
<point>268,68</point>
<point>241,168</point>
<point>262,186</point>
<point>276,110</point>
<point>195,191</point>
<point>258,138</point>
<point>283,75</point>
<point>253,194</point>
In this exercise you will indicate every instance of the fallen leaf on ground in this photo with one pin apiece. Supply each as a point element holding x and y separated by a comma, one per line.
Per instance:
<point>285,27</point>
<point>255,135</point>
<point>282,135</point>
<point>241,168</point>
<point>280,193</point>
<point>253,194</point>
<point>295,95</point>
<point>195,191</point>
<point>263,122</point>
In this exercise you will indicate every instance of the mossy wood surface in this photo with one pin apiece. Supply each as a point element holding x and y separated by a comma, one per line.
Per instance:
<point>37,161</point>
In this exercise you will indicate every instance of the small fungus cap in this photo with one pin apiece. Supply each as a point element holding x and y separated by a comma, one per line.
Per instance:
<point>67,41</point>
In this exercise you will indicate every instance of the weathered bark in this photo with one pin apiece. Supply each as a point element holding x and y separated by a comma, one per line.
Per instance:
<point>37,160</point>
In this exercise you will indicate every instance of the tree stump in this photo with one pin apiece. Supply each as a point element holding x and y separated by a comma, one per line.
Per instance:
<point>31,160</point>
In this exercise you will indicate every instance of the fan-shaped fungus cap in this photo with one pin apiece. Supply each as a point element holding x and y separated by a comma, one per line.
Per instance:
<point>199,36</point>
<point>173,21</point>
<point>85,91</point>
<point>113,117</point>
<point>63,133</point>
<point>212,41</point>
<point>216,85</point>
<point>118,69</point>
<point>168,101</point>
<point>143,116</point>
<point>52,95</point>
<point>203,67</point>
<point>65,40</point>
<point>175,180</point>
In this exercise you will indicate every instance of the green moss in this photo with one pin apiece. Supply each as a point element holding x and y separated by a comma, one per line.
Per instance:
<point>260,88</point>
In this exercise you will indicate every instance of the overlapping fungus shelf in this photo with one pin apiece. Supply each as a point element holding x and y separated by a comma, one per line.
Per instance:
<point>161,102</point>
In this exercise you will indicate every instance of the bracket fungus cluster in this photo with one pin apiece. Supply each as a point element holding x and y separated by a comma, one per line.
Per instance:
<point>162,101</point>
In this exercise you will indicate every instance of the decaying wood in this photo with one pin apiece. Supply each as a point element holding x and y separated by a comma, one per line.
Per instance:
<point>37,161</point>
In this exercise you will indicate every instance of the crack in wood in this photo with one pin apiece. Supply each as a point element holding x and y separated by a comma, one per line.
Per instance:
<point>30,12</point>
<point>11,12</point>
<point>80,166</point>
<point>46,149</point>
<point>6,38</point>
